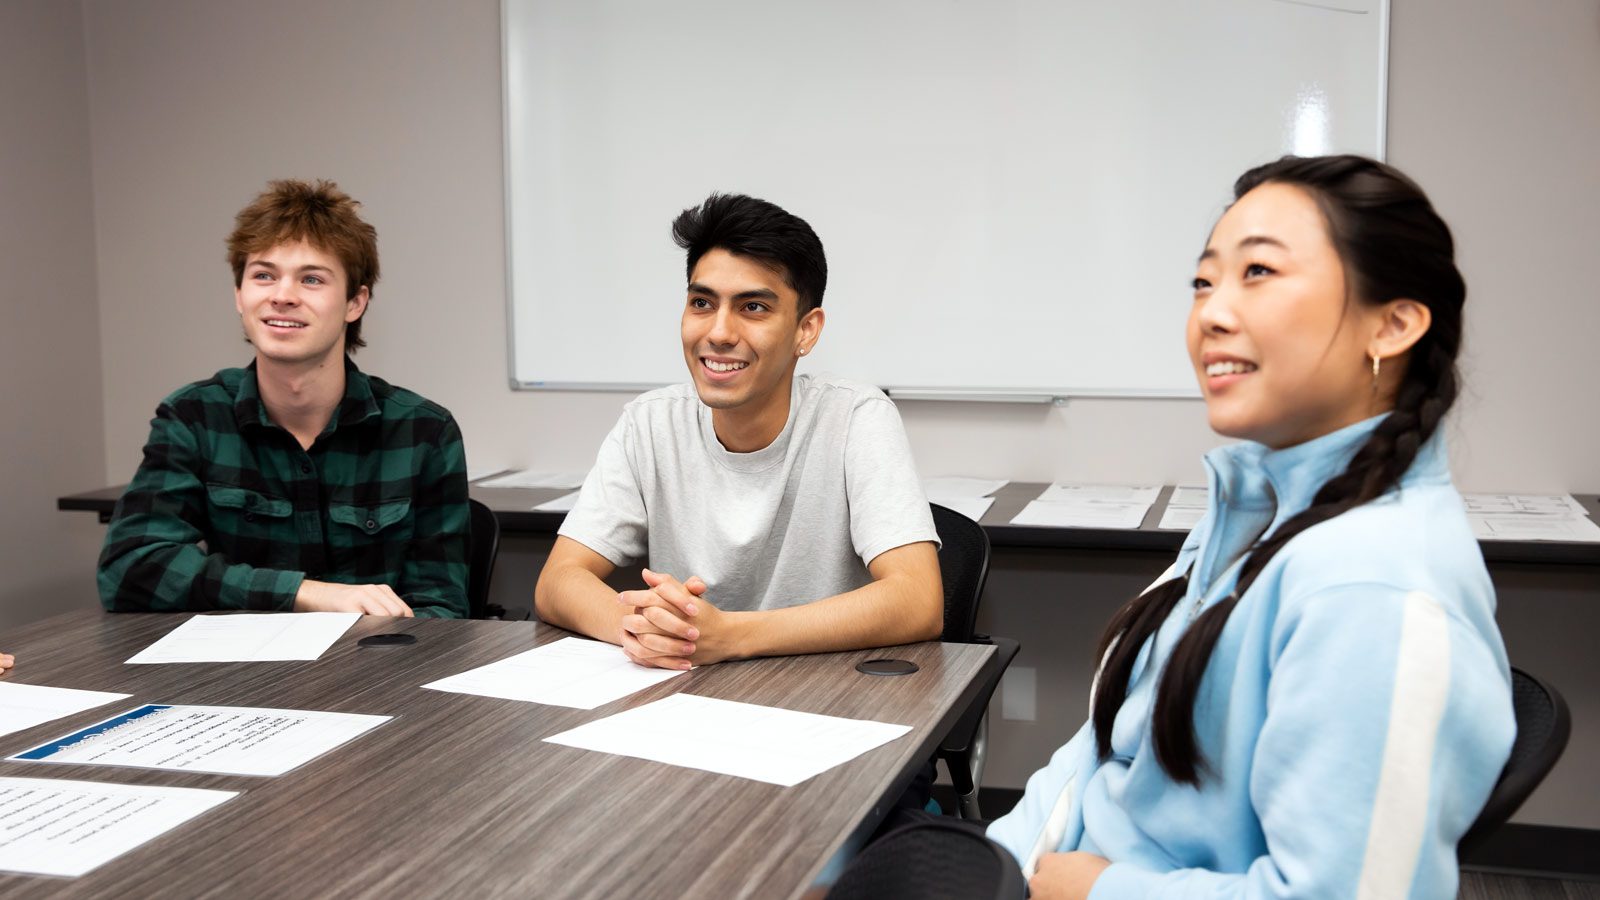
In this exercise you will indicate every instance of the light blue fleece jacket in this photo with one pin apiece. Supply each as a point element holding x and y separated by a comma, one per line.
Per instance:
<point>1355,713</point>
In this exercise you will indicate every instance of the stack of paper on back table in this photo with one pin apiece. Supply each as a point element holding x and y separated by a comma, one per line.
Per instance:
<point>763,743</point>
<point>1089,506</point>
<point>531,479</point>
<point>968,496</point>
<point>563,503</point>
<point>249,637</point>
<point>1185,508</point>
<point>1530,517</point>
<point>571,672</point>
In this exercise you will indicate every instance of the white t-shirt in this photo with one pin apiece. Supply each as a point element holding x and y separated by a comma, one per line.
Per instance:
<point>794,522</point>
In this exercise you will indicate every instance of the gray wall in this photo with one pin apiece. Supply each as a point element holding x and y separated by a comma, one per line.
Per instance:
<point>197,103</point>
<point>54,440</point>
<point>1495,108</point>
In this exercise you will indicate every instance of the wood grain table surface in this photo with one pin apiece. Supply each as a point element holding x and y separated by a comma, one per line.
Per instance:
<point>458,795</point>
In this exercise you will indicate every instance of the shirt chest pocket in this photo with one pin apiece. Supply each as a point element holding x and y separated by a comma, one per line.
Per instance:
<point>358,523</point>
<point>241,511</point>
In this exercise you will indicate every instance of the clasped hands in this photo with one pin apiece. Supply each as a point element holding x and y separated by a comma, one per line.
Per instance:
<point>670,624</point>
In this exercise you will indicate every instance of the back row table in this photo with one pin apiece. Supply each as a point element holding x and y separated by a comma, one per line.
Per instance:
<point>514,507</point>
<point>458,795</point>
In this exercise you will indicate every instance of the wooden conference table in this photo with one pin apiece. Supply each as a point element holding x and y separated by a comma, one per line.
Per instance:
<point>458,795</point>
<point>514,507</point>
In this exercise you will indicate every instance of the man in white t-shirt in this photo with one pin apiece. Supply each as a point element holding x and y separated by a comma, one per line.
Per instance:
<point>778,514</point>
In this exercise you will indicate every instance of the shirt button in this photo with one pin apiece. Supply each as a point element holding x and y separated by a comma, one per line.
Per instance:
<point>249,517</point>
<point>305,468</point>
<point>371,524</point>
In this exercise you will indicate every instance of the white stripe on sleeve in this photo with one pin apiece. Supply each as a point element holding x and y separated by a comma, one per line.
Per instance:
<point>1400,810</point>
<point>1055,828</point>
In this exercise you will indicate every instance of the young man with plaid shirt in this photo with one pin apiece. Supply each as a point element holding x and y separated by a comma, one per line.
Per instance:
<point>297,483</point>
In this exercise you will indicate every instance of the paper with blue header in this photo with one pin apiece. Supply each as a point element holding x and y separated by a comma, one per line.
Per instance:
<point>224,740</point>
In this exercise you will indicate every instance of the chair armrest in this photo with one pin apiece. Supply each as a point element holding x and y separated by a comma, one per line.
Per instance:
<point>960,737</point>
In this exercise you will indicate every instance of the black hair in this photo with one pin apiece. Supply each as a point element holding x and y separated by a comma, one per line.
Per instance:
<point>1393,245</point>
<point>746,226</point>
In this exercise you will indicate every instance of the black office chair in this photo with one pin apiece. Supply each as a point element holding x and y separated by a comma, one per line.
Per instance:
<point>932,861</point>
<point>483,545</point>
<point>964,565</point>
<point>1543,726</point>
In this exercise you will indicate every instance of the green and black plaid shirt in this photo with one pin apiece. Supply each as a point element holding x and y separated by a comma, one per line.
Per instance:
<point>380,498</point>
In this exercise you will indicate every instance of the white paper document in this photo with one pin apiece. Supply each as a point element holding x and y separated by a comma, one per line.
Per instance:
<point>225,740</point>
<point>763,743</point>
<point>1071,515</point>
<point>563,503</point>
<point>1089,506</point>
<point>571,672</point>
<point>1530,517</point>
<point>529,479</point>
<point>68,828</point>
<point>26,705</point>
<point>968,496</point>
<point>961,486</point>
<point>1082,494</point>
<point>249,637</point>
<point>971,507</point>
<point>476,472</point>
<point>1185,508</point>
<point>1529,504</point>
<point>1578,529</point>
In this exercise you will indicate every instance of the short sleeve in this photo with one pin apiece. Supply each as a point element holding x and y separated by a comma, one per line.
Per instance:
<point>609,517</point>
<point>888,507</point>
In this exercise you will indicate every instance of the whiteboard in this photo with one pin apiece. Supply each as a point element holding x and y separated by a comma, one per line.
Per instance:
<point>1011,193</point>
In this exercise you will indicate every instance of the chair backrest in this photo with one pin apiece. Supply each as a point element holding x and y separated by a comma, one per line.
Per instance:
<point>483,547</point>
<point>931,861</point>
<point>1543,726</point>
<point>964,565</point>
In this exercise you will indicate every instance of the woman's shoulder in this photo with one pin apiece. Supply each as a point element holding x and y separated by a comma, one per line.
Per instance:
<point>1414,539</point>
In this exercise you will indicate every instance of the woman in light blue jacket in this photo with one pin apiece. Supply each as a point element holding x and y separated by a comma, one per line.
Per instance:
<point>1314,701</point>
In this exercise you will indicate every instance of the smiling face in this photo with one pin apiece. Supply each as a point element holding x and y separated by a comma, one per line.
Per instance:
<point>742,335</point>
<point>293,304</point>
<point>1278,345</point>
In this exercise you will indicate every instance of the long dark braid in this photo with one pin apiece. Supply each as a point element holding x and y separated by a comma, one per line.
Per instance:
<point>1393,246</point>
